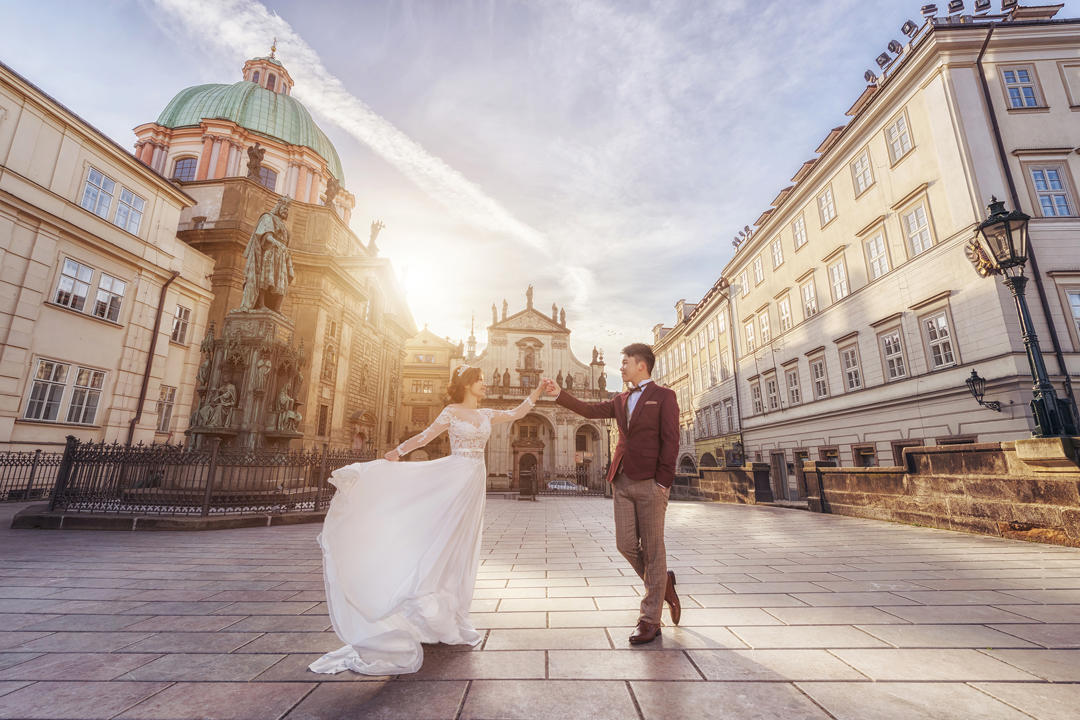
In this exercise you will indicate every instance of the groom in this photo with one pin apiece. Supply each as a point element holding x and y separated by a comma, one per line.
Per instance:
<point>641,473</point>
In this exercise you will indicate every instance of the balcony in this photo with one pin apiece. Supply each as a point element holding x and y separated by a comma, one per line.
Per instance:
<point>498,392</point>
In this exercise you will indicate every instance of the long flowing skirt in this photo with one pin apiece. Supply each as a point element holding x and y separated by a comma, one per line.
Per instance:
<point>401,546</point>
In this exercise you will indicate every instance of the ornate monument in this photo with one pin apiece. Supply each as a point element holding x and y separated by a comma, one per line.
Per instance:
<point>249,377</point>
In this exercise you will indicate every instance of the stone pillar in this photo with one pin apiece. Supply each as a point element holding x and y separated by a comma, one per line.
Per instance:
<point>204,158</point>
<point>220,167</point>
<point>146,151</point>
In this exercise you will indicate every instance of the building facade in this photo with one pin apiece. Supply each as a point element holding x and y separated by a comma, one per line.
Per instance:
<point>102,307</point>
<point>521,349</point>
<point>235,150</point>
<point>425,375</point>
<point>857,314</point>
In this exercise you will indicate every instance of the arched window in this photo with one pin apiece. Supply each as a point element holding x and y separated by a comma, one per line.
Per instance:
<point>270,81</point>
<point>255,77</point>
<point>184,169</point>
<point>268,178</point>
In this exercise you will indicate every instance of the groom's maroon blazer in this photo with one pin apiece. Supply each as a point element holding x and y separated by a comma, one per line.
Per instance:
<point>649,443</point>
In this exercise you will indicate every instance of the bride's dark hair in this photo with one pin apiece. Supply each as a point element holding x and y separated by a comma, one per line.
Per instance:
<point>455,393</point>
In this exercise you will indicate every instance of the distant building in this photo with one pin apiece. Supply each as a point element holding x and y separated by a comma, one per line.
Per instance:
<point>102,307</point>
<point>857,315</point>
<point>425,374</point>
<point>523,348</point>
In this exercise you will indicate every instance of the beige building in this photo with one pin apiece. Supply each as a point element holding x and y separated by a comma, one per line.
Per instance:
<point>425,376</point>
<point>857,315</point>
<point>102,307</point>
<point>521,349</point>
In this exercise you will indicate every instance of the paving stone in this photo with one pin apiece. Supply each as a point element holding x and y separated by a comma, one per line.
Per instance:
<point>77,666</point>
<point>511,620</point>
<point>197,642</point>
<point>723,701</point>
<point>929,665</point>
<point>1051,635</point>
<point>75,700</point>
<point>86,622</point>
<point>946,636</point>
<point>10,659</point>
<point>281,623</point>
<point>564,699</point>
<point>292,642</point>
<point>219,701</point>
<point>1041,701</point>
<point>1053,665</point>
<point>620,665</point>
<point>904,701</point>
<point>548,639</point>
<point>953,614</point>
<point>832,615</point>
<point>183,623</point>
<point>382,700</point>
<point>84,641</point>
<point>19,621</point>
<point>202,666</point>
<point>807,636</point>
<point>488,665</point>
<point>1046,613</point>
<point>772,665</point>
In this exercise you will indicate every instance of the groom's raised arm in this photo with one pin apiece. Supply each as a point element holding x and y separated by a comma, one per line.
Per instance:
<point>605,409</point>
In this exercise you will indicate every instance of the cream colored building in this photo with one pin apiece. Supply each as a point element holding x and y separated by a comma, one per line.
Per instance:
<point>857,315</point>
<point>521,349</point>
<point>425,375</point>
<point>93,276</point>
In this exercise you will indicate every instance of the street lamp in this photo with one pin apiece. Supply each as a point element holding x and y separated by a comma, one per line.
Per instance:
<point>977,386</point>
<point>1002,240</point>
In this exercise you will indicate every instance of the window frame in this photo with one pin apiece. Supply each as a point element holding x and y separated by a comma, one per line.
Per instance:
<point>777,247</point>
<point>757,402</point>
<point>181,322</point>
<point>928,344</point>
<point>880,337</point>
<point>869,170</point>
<point>798,230</point>
<point>772,392</point>
<point>69,388</point>
<point>764,326</point>
<point>194,167</point>
<point>75,281</point>
<point>759,269</point>
<point>794,389</point>
<point>846,370</point>
<point>910,209</point>
<point>1068,186</point>
<point>844,281</point>
<point>749,335</point>
<point>785,303</point>
<point>824,378</point>
<point>894,158</point>
<point>1038,96</point>
<point>802,295</point>
<point>880,235</point>
<point>165,400</point>
<point>111,193</point>
<point>830,203</point>
<point>132,211</point>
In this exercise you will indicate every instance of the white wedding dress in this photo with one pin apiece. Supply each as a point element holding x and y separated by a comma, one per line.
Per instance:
<point>401,546</point>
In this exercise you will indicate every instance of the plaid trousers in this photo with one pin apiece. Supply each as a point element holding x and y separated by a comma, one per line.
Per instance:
<point>640,506</point>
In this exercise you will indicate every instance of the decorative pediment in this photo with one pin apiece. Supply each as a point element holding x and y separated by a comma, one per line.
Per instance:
<point>532,320</point>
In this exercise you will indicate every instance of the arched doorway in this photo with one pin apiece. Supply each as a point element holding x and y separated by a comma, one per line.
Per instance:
<point>532,436</point>
<point>526,466</point>
<point>707,460</point>
<point>686,466</point>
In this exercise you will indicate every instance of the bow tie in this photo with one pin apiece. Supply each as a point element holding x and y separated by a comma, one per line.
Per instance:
<point>635,388</point>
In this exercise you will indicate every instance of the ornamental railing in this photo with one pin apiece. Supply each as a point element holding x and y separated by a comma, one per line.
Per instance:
<point>574,480</point>
<point>177,480</point>
<point>28,475</point>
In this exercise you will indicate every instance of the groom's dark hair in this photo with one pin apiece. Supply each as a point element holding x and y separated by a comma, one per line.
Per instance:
<point>642,353</point>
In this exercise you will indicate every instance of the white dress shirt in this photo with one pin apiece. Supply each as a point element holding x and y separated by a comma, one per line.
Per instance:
<point>632,401</point>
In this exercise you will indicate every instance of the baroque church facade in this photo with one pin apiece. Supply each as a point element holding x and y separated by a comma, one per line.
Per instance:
<point>522,348</point>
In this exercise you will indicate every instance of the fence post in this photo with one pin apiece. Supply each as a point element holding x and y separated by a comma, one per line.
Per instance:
<point>322,480</point>
<point>33,472</point>
<point>65,470</point>
<point>215,446</point>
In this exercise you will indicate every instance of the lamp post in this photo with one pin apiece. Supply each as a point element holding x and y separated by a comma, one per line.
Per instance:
<point>1002,240</point>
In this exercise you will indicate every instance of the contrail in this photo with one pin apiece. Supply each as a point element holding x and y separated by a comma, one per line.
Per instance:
<point>248,24</point>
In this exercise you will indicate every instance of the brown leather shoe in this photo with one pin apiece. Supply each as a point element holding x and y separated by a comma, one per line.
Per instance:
<point>645,632</point>
<point>672,598</point>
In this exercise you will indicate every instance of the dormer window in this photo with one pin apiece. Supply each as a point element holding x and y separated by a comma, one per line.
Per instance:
<point>255,77</point>
<point>270,82</point>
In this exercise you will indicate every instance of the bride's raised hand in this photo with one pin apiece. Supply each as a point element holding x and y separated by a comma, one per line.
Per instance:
<point>392,456</point>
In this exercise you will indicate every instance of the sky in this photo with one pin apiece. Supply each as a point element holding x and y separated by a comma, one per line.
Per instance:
<point>603,151</point>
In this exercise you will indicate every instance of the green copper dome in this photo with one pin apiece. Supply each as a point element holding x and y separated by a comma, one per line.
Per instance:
<point>256,109</point>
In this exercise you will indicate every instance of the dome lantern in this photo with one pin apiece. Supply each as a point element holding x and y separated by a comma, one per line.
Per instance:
<point>268,72</point>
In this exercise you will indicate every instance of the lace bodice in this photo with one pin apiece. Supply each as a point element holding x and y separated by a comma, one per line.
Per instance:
<point>469,430</point>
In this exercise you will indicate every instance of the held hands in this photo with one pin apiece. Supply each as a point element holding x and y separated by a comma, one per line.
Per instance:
<point>393,455</point>
<point>550,387</point>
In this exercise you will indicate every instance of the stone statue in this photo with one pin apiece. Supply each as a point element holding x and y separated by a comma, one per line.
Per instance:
<point>595,355</point>
<point>287,417</point>
<point>569,381</point>
<point>494,314</point>
<point>562,317</point>
<point>529,297</point>
<point>216,411</point>
<point>255,155</point>
<point>269,268</point>
<point>978,258</point>
<point>333,187</point>
<point>506,306</point>
<point>554,313</point>
<point>376,228</point>
<point>202,377</point>
<point>601,382</point>
<point>262,372</point>
<point>506,378</point>
<point>559,379</point>
<point>495,378</point>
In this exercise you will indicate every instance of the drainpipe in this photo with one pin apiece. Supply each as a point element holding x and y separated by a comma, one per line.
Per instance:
<point>734,360</point>
<point>1004,162</point>
<point>149,358</point>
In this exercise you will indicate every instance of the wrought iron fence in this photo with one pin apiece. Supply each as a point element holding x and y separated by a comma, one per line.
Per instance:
<point>178,480</point>
<point>27,475</point>
<point>576,480</point>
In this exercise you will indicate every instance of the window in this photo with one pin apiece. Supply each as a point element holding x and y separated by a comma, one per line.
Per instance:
<point>817,376</point>
<point>98,193</point>
<point>892,353</point>
<point>581,442</point>
<point>710,330</point>
<point>749,328</point>
<point>876,256</point>
<point>721,324</point>
<point>772,393</point>
<point>798,229</point>
<point>809,298</point>
<point>74,284</point>
<point>184,169</point>
<point>755,397</point>
<point>744,282</point>
<point>917,229</point>
<point>129,211</point>
<point>898,138</point>
<point>270,79</point>
<point>1051,190</point>
<point>784,307</point>
<point>763,323</point>
<point>777,253</point>
<point>255,77</point>
<point>267,178</point>
<point>791,378</point>
<point>838,280</point>
<point>47,391</point>
<point>110,295</point>
<point>420,415</point>
<point>729,414</point>
<point>429,387</point>
<point>861,172</point>
<point>165,403</point>
<point>939,340</point>
<point>826,206</point>
<point>849,362</point>
<point>181,321</point>
<point>85,396</point>
<point>864,455</point>
<point>1074,307</point>
<point>1020,87</point>
<point>759,271</point>
<point>324,421</point>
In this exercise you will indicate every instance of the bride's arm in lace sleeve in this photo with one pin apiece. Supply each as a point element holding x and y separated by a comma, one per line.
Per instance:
<point>437,428</point>
<point>505,416</point>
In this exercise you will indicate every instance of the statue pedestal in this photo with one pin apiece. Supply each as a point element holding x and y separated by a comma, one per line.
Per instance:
<point>254,364</point>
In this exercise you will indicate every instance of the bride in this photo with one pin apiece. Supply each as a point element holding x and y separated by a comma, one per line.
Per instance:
<point>401,542</point>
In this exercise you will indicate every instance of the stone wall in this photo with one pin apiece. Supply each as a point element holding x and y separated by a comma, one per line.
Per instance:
<point>1026,489</point>
<point>746,485</point>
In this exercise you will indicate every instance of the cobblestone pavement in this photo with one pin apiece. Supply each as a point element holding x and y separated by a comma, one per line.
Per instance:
<point>787,614</point>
